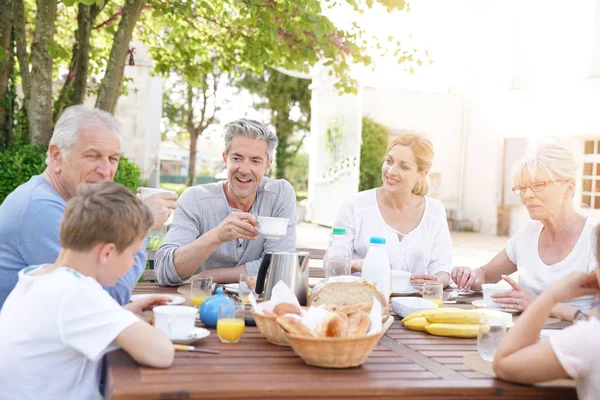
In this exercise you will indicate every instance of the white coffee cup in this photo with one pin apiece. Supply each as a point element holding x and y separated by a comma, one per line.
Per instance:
<point>176,321</point>
<point>272,228</point>
<point>147,192</point>
<point>489,289</point>
<point>400,280</point>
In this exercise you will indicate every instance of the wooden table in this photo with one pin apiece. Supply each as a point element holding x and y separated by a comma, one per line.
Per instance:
<point>405,364</point>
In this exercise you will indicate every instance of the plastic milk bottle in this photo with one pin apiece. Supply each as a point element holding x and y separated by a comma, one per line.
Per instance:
<point>376,266</point>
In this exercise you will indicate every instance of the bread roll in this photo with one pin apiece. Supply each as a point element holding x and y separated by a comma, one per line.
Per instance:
<point>358,323</point>
<point>356,307</point>
<point>269,314</point>
<point>335,325</point>
<point>286,308</point>
<point>346,291</point>
<point>294,326</point>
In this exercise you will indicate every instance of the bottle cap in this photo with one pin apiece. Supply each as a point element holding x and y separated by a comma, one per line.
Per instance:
<point>377,240</point>
<point>339,231</point>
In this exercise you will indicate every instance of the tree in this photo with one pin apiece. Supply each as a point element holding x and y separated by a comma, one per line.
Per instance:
<point>280,93</point>
<point>190,107</point>
<point>375,138</point>
<point>5,61</point>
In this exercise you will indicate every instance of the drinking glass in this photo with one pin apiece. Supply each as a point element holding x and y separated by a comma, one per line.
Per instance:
<point>247,285</point>
<point>489,337</point>
<point>201,289</point>
<point>433,292</point>
<point>230,325</point>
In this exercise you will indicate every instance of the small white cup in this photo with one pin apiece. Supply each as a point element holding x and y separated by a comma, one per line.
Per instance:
<point>176,321</point>
<point>272,228</point>
<point>147,192</point>
<point>489,289</point>
<point>400,280</point>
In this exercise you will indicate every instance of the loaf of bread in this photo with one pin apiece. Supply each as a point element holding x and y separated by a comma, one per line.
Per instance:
<point>346,291</point>
<point>287,308</point>
<point>358,323</point>
<point>335,325</point>
<point>294,325</point>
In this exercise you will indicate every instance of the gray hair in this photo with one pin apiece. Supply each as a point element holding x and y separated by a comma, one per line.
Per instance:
<point>75,118</point>
<point>253,129</point>
<point>552,158</point>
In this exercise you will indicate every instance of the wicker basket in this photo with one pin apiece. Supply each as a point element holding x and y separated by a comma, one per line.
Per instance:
<point>270,329</point>
<point>343,352</point>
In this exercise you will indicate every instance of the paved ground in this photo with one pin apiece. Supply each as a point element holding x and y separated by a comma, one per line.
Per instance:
<point>469,249</point>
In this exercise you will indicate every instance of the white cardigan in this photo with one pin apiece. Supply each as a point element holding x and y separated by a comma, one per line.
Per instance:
<point>427,249</point>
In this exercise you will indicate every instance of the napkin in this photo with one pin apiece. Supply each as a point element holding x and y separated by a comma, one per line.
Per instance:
<point>375,316</point>
<point>281,294</point>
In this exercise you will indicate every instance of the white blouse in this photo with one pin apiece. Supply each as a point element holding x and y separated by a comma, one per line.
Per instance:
<point>535,276</point>
<point>427,249</point>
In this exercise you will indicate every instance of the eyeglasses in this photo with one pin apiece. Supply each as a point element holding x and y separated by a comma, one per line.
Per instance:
<point>535,186</point>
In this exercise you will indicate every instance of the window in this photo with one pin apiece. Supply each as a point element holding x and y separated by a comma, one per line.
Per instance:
<point>590,185</point>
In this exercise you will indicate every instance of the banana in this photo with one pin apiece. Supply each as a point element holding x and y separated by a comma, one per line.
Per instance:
<point>454,330</point>
<point>456,317</point>
<point>416,324</point>
<point>424,313</point>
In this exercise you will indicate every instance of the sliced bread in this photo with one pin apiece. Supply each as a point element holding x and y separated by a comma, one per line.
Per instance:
<point>346,291</point>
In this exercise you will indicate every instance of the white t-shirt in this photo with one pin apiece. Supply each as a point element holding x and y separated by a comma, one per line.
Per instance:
<point>427,249</point>
<point>535,276</point>
<point>54,330</point>
<point>577,350</point>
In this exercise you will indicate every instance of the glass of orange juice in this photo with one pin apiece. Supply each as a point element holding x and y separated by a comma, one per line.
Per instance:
<point>433,292</point>
<point>230,325</point>
<point>201,289</point>
<point>247,285</point>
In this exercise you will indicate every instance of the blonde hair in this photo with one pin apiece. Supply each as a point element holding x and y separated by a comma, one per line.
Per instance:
<point>422,149</point>
<point>105,212</point>
<point>553,158</point>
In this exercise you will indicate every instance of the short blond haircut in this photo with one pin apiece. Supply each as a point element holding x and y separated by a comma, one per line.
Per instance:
<point>553,158</point>
<point>422,149</point>
<point>105,212</point>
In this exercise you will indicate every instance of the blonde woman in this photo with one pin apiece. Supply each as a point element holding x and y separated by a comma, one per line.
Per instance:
<point>572,352</point>
<point>414,225</point>
<point>557,241</point>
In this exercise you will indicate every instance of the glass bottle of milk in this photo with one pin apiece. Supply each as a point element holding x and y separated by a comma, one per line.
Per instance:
<point>376,266</point>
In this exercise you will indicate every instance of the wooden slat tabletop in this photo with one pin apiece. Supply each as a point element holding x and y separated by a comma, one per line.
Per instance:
<point>404,364</point>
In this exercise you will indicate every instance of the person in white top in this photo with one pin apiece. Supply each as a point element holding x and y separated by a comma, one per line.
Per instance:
<point>414,225</point>
<point>557,241</point>
<point>573,352</point>
<point>58,321</point>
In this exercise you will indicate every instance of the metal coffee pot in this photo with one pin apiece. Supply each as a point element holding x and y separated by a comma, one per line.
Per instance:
<point>291,268</point>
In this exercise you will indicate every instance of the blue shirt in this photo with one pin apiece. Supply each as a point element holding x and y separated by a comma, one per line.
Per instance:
<point>29,235</point>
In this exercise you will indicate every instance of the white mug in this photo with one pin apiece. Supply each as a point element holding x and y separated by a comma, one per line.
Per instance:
<point>400,280</point>
<point>147,192</point>
<point>489,289</point>
<point>176,321</point>
<point>272,228</point>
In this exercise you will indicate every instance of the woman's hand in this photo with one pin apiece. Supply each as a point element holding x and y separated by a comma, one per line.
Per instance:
<point>574,285</point>
<point>420,279</point>
<point>147,303</point>
<point>464,277</point>
<point>516,299</point>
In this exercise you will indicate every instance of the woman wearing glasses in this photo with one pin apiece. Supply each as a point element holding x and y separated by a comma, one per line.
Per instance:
<point>557,241</point>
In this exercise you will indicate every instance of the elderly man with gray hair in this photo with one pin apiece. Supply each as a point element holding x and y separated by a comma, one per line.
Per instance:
<point>85,148</point>
<point>214,228</point>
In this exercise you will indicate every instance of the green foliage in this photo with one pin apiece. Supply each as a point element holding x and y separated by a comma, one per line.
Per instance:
<point>279,94</point>
<point>374,144</point>
<point>129,174</point>
<point>176,187</point>
<point>297,172</point>
<point>17,165</point>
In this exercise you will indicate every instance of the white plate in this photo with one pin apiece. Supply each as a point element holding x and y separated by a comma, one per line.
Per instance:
<point>197,334</point>
<point>175,300</point>
<point>232,287</point>
<point>404,306</point>
<point>405,292</point>
<point>482,304</point>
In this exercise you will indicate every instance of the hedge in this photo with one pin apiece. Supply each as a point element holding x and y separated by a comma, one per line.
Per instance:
<point>375,139</point>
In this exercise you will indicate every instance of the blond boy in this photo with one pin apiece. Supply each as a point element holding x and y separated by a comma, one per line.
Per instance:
<point>58,322</point>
